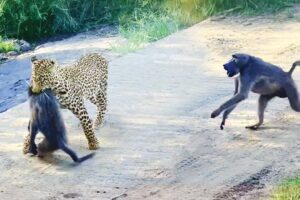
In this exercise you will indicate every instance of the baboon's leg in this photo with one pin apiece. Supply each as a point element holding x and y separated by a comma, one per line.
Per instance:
<point>100,100</point>
<point>33,132</point>
<point>228,111</point>
<point>292,94</point>
<point>262,104</point>
<point>242,94</point>
<point>225,116</point>
<point>78,109</point>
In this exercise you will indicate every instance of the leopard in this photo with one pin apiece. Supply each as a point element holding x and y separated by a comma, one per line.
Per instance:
<point>86,79</point>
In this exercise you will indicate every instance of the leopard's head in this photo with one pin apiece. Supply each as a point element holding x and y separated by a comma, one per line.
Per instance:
<point>41,73</point>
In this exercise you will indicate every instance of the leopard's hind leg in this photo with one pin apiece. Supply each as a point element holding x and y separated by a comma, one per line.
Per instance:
<point>26,144</point>
<point>100,100</point>
<point>78,109</point>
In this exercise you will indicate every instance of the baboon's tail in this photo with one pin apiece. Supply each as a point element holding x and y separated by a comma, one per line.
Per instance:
<point>86,157</point>
<point>73,155</point>
<point>294,66</point>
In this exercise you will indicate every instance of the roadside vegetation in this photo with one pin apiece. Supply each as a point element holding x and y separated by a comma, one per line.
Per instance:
<point>6,46</point>
<point>140,21</point>
<point>289,189</point>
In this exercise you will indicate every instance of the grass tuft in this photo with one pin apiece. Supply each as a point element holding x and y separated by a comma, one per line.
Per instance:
<point>146,27</point>
<point>288,190</point>
<point>6,46</point>
<point>126,47</point>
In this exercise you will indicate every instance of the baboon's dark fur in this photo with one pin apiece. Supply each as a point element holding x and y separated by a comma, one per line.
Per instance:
<point>259,77</point>
<point>46,118</point>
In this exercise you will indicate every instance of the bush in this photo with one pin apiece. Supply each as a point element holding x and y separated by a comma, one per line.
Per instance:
<point>6,46</point>
<point>34,19</point>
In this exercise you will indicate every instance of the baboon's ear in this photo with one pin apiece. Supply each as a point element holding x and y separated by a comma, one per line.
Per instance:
<point>33,58</point>
<point>241,59</point>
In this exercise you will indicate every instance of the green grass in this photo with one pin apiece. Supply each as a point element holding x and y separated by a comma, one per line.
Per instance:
<point>288,190</point>
<point>141,21</point>
<point>126,48</point>
<point>154,22</point>
<point>6,46</point>
<point>36,19</point>
<point>149,27</point>
<point>146,27</point>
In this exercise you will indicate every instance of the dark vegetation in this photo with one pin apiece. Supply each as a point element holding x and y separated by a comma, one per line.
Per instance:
<point>35,19</point>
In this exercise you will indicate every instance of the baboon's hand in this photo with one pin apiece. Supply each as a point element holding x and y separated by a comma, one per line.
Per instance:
<point>215,113</point>
<point>222,125</point>
<point>33,151</point>
<point>253,127</point>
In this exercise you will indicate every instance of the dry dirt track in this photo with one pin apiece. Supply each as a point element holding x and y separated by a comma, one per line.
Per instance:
<point>158,141</point>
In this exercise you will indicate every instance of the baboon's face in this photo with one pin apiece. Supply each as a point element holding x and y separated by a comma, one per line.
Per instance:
<point>232,68</point>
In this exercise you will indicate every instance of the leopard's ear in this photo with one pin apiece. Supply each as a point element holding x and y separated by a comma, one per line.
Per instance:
<point>33,58</point>
<point>51,65</point>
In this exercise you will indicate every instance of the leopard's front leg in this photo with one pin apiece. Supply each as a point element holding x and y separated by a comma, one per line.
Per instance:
<point>78,109</point>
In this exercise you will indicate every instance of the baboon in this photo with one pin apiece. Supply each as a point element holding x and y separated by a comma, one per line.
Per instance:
<point>259,77</point>
<point>46,118</point>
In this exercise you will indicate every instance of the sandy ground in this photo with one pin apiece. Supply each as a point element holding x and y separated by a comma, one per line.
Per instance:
<point>158,141</point>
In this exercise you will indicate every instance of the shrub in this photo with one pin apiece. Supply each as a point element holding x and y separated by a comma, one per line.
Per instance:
<point>34,19</point>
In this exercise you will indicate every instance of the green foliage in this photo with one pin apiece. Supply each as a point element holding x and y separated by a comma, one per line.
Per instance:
<point>289,189</point>
<point>156,19</point>
<point>126,48</point>
<point>6,46</point>
<point>146,27</point>
<point>35,19</point>
<point>146,20</point>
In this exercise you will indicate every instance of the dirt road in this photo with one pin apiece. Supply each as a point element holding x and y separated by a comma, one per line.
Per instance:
<point>158,141</point>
